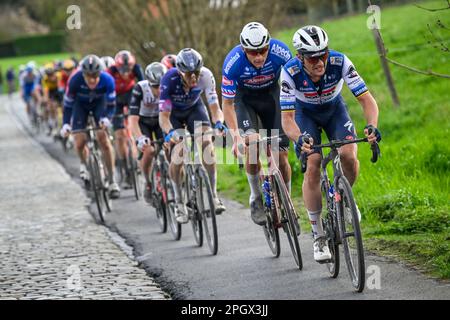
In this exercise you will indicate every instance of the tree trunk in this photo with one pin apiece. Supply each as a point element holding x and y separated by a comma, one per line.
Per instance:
<point>350,7</point>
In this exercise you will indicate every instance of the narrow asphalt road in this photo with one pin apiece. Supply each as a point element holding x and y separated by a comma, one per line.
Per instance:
<point>244,267</point>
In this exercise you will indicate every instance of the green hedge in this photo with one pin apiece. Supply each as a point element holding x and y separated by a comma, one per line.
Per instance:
<point>34,45</point>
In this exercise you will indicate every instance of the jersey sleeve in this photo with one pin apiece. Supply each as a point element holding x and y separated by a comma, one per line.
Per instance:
<point>110,90</point>
<point>210,86</point>
<point>229,78</point>
<point>353,80</point>
<point>287,92</point>
<point>138,72</point>
<point>69,99</point>
<point>136,99</point>
<point>165,103</point>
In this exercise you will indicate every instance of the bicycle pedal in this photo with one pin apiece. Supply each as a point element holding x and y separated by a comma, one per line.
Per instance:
<point>325,261</point>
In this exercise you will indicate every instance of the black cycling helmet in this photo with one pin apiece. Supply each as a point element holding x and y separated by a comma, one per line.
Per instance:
<point>91,65</point>
<point>189,60</point>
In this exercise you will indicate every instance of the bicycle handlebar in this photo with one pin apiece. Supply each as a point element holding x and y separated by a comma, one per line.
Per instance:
<point>334,144</point>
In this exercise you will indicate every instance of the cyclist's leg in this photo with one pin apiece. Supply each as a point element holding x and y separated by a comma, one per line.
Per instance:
<point>105,143</point>
<point>269,111</point>
<point>119,129</point>
<point>341,127</point>
<point>248,122</point>
<point>149,126</point>
<point>198,121</point>
<point>312,195</point>
<point>177,118</point>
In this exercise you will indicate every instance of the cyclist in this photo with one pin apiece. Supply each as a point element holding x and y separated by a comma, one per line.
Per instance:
<point>108,61</point>
<point>181,104</point>
<point>169,61</point>
<point>144,113</point>
<point>66,71</point>
<point>29,87</point>
<point>11,79</point>
<point>91,89</point>
<point>51,96</point>
<point>126,74</point>
<point>250,91</point>
<point>311,101</point>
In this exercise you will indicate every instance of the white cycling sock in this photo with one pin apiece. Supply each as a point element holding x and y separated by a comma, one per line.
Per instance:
<point>213,181</point>
<point>177,191</point>
<point>316,224</point>
<point>255,190</point>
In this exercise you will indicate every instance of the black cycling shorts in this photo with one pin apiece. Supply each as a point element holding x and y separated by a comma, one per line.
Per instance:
<point>150,126</point>
<point>258,110</point>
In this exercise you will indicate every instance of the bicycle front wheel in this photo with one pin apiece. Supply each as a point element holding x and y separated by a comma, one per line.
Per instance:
<point>174,226</point>
<point>351,234</point>
<point>132,168</point>
<point>192,206</point>
<point>158,197</point>
<point>207,208</point>
<point>97,186</point>
<point>289,219</point>
<point>331,230</point>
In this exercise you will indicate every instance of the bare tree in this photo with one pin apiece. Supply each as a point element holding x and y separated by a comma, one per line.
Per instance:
<point>151,28</point>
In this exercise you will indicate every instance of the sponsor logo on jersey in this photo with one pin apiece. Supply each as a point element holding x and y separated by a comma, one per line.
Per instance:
<point>285,87</point>
<point>232,62</point>
<point>227,82</point>
<point>281,52</point>
<point>305,83</point>
<point>351,73</point>
<point>293,70</point>
<point>337,61</point>
<point>260,79</point>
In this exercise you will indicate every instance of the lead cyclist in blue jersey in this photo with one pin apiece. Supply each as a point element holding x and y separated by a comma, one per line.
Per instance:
<point>180,104</point>
<point>311,100</point>
<point>250,92</point>
<point>91,89</point>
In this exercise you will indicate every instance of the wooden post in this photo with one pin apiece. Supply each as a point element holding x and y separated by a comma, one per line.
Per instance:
<point>385,64</point>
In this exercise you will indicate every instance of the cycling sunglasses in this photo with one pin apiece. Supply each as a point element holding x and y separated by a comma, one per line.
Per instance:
<point>92,75</point>
<point>315,59</point>
<point>188,75</point>
<point>254,53</point>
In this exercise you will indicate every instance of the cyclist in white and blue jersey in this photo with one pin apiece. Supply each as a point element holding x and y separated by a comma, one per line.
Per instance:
<point>250,92</point>
<point>311,101</point>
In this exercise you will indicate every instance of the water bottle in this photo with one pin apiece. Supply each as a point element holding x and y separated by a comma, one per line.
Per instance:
<point>266,189</point>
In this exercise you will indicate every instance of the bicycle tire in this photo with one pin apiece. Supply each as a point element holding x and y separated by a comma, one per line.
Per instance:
<point>357,275</point>
<point>195,217</point>
<point>157,196</point>
<point>105,183</point>
<point>174,226</point>
<point>208,213</point>
<point>132,167</point>
<point>289,219</point>
<point>96,186</point>
<point>271,232</point>
<point>331,229</point>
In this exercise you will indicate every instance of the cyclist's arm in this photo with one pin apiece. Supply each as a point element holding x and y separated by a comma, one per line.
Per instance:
<point>165,105</point>
<point>287,103</point>
<point>229,113</point>
<point>110,97</point>
<point>359,89</point>
<point>209,85</point>
<point>69,101</point>
<point>164,121</point>
<point>135,103</point>
<point>370,108</point>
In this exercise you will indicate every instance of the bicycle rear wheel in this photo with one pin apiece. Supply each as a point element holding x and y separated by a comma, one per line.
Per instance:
<point>289,219</point>
<point>158,195</point>
<point>351,234</point>
<point>174,226</point>
<point>207,208</point>
<point>192,207</point>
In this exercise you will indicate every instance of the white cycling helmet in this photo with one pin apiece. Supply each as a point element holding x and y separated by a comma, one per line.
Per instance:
<point>310,41</point>
<point>108,61</point>
<point>154,73</point>
<point>254,36</point>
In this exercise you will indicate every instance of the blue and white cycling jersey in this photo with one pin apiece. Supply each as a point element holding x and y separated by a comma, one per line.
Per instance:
<point>239,72</point>
<point>297,89</point>
<point>173,95</point>
<point>78,93</point>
